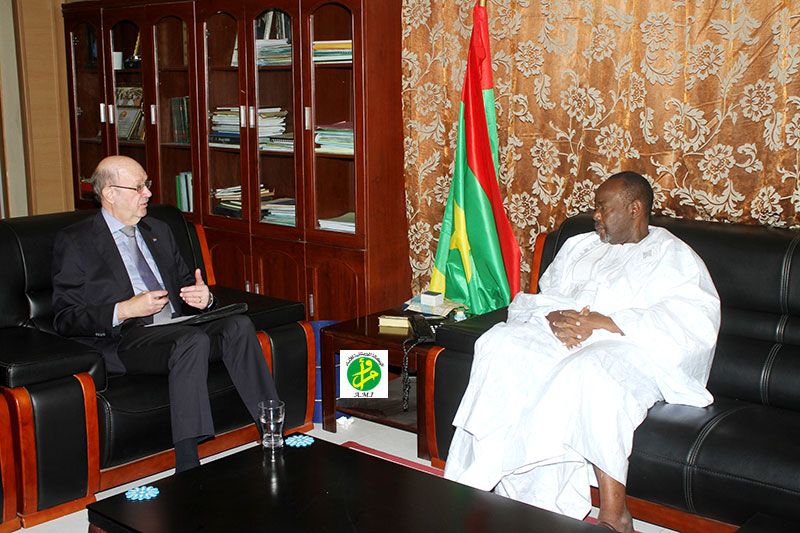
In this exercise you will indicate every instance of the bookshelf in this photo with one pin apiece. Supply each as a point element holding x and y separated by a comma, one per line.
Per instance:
<point>84,64</point>
<point>133,91</point>
<point>277,124</point>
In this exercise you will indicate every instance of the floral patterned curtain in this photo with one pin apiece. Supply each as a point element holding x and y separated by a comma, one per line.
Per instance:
<point>700,96</point>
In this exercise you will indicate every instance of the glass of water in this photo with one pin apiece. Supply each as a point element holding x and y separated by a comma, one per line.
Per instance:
<point>270,414</point>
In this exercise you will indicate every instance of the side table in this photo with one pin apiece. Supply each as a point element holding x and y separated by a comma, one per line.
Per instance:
<point>363,333</point>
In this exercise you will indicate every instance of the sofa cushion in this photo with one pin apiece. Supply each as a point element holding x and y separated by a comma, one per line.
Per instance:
<point>30,356</point>
<point>134,417</point>
<point>726,461</point>
<point>756,371</point>
<point>26,246</point>
<point>664,447</point>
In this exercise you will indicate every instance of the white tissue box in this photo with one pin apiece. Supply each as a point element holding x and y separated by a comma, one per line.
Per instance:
<point>431,298</point>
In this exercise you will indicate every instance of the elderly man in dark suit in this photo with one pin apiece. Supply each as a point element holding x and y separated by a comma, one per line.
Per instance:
<point>119,271</point>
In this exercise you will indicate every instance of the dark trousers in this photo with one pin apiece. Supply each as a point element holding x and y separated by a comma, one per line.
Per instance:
<point>183,354</point>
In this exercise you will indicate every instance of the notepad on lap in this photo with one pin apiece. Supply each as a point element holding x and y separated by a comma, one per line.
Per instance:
<point>208,316</point>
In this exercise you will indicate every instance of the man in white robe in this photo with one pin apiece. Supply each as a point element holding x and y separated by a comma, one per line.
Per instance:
<point>626,316</point>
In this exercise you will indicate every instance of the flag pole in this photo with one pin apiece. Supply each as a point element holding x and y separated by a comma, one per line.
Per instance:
<point>482,3</point>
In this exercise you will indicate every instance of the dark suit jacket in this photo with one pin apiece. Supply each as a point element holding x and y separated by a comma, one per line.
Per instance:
<point>89,277</point>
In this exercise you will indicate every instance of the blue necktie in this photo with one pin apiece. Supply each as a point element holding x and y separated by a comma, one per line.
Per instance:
<point>145,272</point>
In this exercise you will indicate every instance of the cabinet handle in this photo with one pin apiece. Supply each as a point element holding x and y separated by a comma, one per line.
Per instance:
<point>253,125</point>
<point>110,113</point>
<point>308,118</point>
<point>242,117</point>
<point>258,291</point>
<point>247,286</point>
<point>153,114</point>
<point>311,304</point>
<point>103,113</point>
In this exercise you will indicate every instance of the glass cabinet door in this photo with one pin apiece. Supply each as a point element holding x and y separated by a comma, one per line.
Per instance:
<point>226,117</point>
<point>173,53</point>
<point>333,108</point>
<point>127,113</point>
<point>274,112</point>
<point>88,105</point>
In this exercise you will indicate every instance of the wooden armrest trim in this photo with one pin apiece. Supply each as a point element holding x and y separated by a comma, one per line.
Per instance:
<point>536,263</point>
<point>201,237</point>
<point>19,402</point>
<point>8,472</point>
<point>669,517</point>
<point>311,356</point>
<point>266,347</point>
<point>430,417</point>
<point>92,431</point>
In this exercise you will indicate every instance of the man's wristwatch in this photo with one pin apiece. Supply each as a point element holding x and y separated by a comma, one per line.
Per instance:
<point>210,300</point>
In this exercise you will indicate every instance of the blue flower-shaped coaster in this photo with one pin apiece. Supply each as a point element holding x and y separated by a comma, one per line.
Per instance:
<point>142,493</point>
<point>299,441</point>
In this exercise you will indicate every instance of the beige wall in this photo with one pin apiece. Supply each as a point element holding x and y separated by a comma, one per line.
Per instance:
<point>13,150</point>
<point>44,103</point>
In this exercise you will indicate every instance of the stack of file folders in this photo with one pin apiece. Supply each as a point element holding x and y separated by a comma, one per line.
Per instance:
<point>345,223</point>
<point>283,142</point>
<point>224,128</point>
<point>334,138</point>
<point>273,52</point>
<point>271,121</point>
<point>278,211</point>
<point>333,51</point>
<point>230,199</point>
<point>225,125</point>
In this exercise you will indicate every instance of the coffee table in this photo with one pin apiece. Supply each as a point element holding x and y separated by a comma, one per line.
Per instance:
<point>323,487</point>
<point>363,333</point>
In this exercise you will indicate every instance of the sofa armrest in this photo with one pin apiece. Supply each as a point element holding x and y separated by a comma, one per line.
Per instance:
<point>266,312</point>
<point>447,375</point>
<point>461,336</point>
<point>30,356</point>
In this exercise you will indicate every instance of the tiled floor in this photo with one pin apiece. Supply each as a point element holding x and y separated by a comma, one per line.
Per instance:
<point>393,441</point>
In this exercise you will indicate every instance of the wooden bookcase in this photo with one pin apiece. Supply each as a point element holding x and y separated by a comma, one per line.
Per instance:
<point>287,114</point>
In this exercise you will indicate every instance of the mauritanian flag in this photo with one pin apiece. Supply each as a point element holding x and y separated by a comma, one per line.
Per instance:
<point>477,261</point>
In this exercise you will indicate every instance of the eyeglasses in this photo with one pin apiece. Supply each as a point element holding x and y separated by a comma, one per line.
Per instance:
<point>139,188</point>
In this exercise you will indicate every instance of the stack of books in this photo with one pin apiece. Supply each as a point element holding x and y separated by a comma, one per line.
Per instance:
<point>277,143</point>
<point>334,138</point>
<point>393,325</point>
<point>278,211</point>
<point>230,199</point>
<point>224,128</point>
<point>272,52</point>
<point>345,223</point>
<point>271,122</point>
<point>333,51</point>
<point>181,132</point>
<point>184,192</point>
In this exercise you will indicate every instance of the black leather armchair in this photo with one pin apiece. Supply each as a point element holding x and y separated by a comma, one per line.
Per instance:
<point>76,430</point>
<point>726,462</point>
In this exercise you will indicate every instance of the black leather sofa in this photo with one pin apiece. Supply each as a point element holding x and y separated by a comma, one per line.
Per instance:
<point>694,469</point>
<point>77,430</point>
